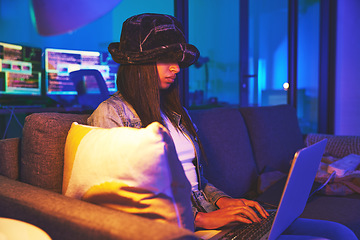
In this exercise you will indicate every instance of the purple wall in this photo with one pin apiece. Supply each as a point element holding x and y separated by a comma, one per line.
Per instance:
<point>347,95</point>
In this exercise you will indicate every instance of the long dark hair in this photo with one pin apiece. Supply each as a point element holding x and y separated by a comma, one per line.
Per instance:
<point>139,85</point>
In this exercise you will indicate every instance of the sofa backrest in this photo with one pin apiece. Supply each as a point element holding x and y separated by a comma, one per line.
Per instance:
<point>230,162</point>
<point>239,145</point>
<point>9,157</point>
<point>42,148</point>
<point>275,136</point>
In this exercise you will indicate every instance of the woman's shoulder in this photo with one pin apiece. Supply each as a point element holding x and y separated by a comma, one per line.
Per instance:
<point>114,110</point>
<point>116,101</point>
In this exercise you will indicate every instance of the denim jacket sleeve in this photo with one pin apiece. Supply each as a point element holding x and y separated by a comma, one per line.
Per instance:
<point>114,112</point>
<point>105,116</point>
<point>211,192</point>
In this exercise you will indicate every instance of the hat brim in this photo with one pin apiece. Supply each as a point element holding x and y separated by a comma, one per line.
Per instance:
<point>183,53</point>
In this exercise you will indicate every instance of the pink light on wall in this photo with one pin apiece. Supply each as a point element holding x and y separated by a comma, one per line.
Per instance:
<point>55,17</point>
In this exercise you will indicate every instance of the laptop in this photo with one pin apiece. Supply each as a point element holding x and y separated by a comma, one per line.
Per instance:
<point>293,200</point>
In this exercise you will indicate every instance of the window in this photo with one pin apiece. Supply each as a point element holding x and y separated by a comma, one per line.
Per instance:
<point>214,80</point>
<point>220,78</point>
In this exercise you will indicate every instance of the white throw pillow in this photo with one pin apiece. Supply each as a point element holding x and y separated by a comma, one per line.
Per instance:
<point>129,169</point>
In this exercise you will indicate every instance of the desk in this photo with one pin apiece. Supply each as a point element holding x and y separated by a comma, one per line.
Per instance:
<point>12,118</point>
<point>9,110</point>
<point>11,229</point>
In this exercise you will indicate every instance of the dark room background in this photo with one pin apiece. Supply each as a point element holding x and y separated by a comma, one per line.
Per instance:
<point>213,27</point>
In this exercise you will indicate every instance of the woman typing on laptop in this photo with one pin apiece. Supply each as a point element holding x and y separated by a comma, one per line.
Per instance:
<point>151,50</point>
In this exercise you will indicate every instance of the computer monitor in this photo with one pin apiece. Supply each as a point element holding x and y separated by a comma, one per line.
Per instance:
<point>20,70</point>
<point>60,62</point>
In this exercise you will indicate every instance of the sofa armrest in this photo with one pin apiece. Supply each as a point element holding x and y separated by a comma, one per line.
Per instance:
<point>9,157</point>
<point>337,146</point>
<point>66,218</point>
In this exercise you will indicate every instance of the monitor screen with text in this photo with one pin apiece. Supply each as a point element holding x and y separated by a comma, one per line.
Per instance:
<point>59,63</point>
<point>20,70</point>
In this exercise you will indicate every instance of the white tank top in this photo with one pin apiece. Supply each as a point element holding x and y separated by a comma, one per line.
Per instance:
<point>185,151</point>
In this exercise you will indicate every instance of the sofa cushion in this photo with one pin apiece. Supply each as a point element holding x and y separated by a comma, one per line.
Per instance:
<point>230,163</point>
<point>42,148</point>
<point>128,169</point>
<point>275,135</point>
<point>338,209</point>
<point>9,160</point>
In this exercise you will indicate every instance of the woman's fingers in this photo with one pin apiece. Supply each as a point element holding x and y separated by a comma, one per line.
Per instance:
<point>258,207</point>
<point>224,216</point>
<point>245,211</point>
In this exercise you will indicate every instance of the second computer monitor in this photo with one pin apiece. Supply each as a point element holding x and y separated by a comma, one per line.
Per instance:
<point>60,62</point>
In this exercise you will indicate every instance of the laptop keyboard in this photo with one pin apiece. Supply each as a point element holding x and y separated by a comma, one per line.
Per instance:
<point>252,231</point>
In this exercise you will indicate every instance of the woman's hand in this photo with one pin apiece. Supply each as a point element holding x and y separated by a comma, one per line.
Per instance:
<point>231,210</point>
<point>226,202</point>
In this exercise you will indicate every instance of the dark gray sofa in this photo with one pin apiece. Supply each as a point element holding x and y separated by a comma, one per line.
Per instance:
<point>240,145</point>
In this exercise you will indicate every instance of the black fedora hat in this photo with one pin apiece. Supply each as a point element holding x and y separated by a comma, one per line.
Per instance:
<point>150,37</point>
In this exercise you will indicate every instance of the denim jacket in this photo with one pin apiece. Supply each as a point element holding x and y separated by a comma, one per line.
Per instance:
<point>116,112</point>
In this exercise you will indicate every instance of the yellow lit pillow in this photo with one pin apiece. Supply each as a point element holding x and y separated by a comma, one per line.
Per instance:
<point>129,169</point>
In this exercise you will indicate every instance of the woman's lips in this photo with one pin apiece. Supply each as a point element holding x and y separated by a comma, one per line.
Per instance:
<point>171,79</point>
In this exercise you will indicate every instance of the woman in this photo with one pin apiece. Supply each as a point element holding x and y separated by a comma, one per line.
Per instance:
<point>151,50</point>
